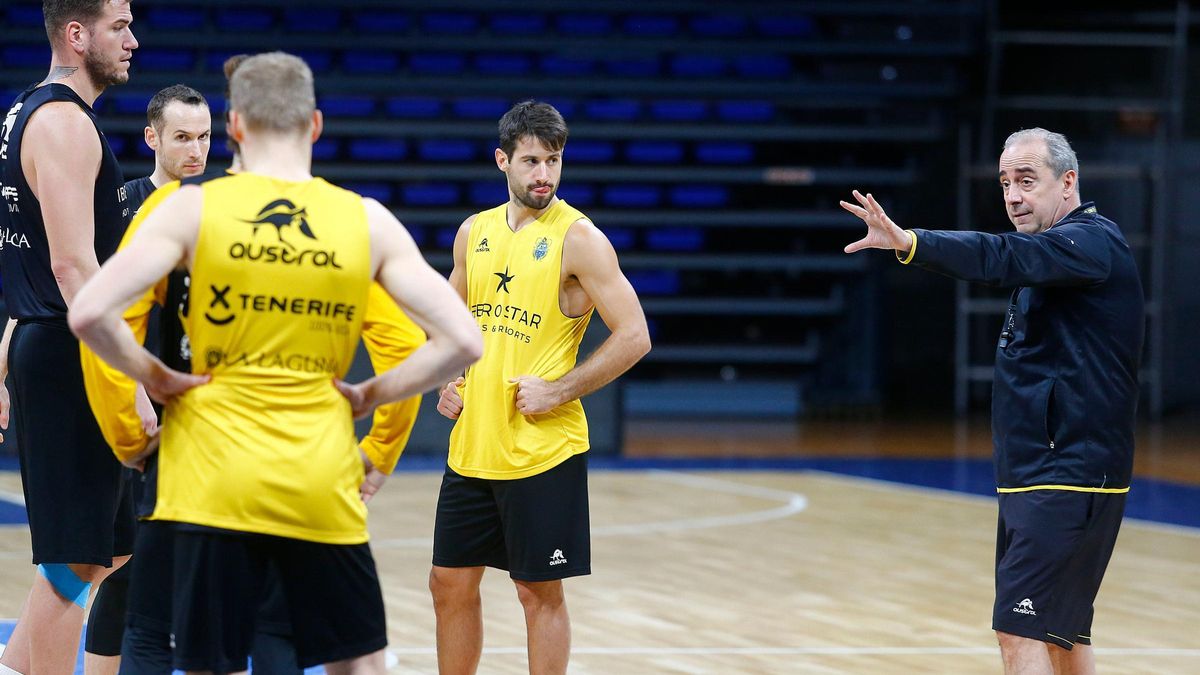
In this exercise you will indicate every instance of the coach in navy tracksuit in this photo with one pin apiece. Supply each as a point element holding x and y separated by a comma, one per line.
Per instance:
<point>1064,396</point>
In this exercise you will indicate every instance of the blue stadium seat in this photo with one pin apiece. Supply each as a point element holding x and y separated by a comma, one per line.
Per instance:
<point>381,192</point>
<point>488,193</point>
<point>143,150</point>
<point>419,233</point>
<point>621,238</point>
<point>320,61</point>
<point>503,64</point>
<point>567,66</point>
<point>214,59</point>
<point>347,106</point>
<point>654,152</point>
<point>129,102</point>
<point>745,111</point>
<point>445,237</point>
<point>378,149</point>
<point>430,194</point>
<point>651,25</point>
<point>763,66</point>
<point>679,111</point>
<point>518,24</point>
<point>640,66</point>
<point>446,150</point>
<point>152,59</point>
<point>449,23</point>
<point>244,19</point>
<point>699,196</point>
<point>789,26</point>
<point>372,20</point>
<point>612,110</point>
<point>654,282</point>
<point>175,18</point>
<point>370,62</point>
<point>565,107</point>
<point>118,143</point>
<point>724,152</point>
<point>437,63</point>
<point>699,65</point>
<point>679,239</point>
<point>584,24</point>
<point>26,56</point>
<point>632,196</point>
<point>414,107</point>
<point>578,194</point>
<point>218,150</point>
<point>217,104</point>
<point>589,151</point>
<point>325,149</point>
<point>719,25</point>
<point>24,16</point>
<point>312,20</point>
<point>479,108</point>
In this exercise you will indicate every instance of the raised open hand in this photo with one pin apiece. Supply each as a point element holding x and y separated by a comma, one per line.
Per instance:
<point>881,231</point>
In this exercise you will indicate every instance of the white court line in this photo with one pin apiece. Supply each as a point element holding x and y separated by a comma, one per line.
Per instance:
<point>806,651</point>
<point>954,495</point>
<point>794,503</point>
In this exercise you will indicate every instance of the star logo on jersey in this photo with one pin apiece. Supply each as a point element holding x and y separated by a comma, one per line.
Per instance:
<point>483,247</point>
<point>282,213</point>
<point>505,277</point>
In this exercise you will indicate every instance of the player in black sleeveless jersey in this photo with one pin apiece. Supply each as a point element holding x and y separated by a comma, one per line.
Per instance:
<point>65,208</point>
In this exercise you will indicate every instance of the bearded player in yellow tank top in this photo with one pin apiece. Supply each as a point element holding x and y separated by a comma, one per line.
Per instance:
<point>258,461</point>
<point>514,495</point>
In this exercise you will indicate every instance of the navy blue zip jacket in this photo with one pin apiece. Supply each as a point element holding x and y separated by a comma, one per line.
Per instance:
<point>1064,397</point>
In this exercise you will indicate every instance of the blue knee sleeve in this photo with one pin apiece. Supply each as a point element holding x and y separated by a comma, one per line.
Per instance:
<point>66,583</point>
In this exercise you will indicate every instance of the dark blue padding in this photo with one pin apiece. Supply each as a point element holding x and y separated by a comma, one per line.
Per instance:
<point>488,193</point>
<point>719,25</point>
<point>26,56</point>
<point>577,194</point>
<point>654,152</point>
<point>445,237</point>
<point>430,194</point>
<point>118,143</point>
<point>745,111</point>
<point>589,151</point>
<point>446,150</point>
<point>479,108</point>
<point>518,24</point>
<point>790,26</point>
<point>418,233</point>
<point>217,104</point>
<point>437,63</point>
<point>347,106</point>
<point>567,66</point>
<point>244,19</point>
<point>158,59</point>
<point>24,16</point>
<point>584,24</point>
<point>373,20</point>
<point>143,150</point>
<point>763,66</point>
<point>679,111</point>
<point>380,192</point>
<point>621,238</point>
<point>218,149</point>
<point>318,60</point>
<point>129,102</point>
<point>638,66</point>
<point>651,25</point>
<point>378,149</point>
<point>312,20</point>
<point>414,107</point>
<point>503,64</point>
<point>699,65</point>
<point>613,110</point>
<point>654,282</point>
<point>699,196</point>
<point>724,152</point>
<point>450,23</point>
<point>370,62</point>
<point>633,196</point>
<point>324,149</point>
<point>174,18</point>
<point>679,239</point>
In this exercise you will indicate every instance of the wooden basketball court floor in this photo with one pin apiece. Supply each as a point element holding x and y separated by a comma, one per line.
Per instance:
<point>703,570</point>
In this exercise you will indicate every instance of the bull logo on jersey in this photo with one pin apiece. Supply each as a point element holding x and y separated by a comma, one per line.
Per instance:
<point>282,213</point>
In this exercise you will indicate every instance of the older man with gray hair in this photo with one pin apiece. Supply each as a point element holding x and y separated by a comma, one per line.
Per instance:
<point>1064,397</point>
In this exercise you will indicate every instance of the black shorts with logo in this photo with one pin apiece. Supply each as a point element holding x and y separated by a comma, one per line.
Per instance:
<point>1052,548</point>
<point>536,528</point>
<point>78,511</point>
<point>332,596</point>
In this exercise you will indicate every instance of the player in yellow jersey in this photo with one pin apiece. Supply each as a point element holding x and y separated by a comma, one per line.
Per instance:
<point>514,495</point>
<point>258,462</point>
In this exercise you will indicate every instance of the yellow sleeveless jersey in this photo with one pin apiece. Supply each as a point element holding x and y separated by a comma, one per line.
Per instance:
<point>279,285</point>
<point>513,281</point>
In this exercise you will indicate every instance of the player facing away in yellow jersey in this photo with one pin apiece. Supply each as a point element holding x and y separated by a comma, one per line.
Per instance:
<point>514,495</point>
<point>258,462</point>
